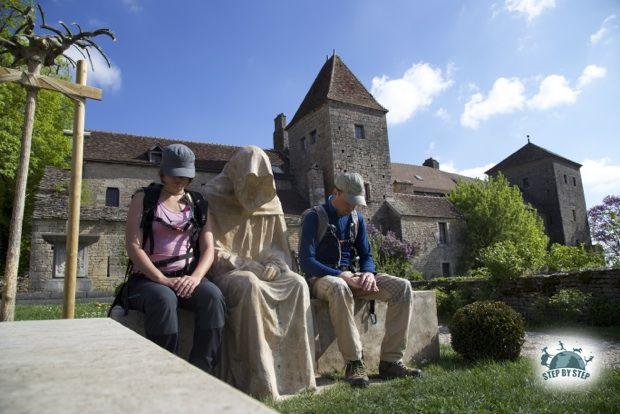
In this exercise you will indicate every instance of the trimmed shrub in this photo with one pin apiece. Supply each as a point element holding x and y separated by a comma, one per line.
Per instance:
<point>569,305</point>
<point>487,330</point>
<point>566,258</point>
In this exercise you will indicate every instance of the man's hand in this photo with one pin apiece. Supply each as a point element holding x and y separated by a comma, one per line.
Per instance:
<point>352,281</point>
<point>184,286</point>
<point>368,282</point>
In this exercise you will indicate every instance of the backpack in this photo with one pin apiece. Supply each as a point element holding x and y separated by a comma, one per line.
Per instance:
<point>199,208</point>
<point>324,226</point>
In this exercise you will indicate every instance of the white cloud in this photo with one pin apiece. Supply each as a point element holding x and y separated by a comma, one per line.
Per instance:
<point>590,73</point>
<point>506,96</point>
<point>474,172</point>
<point>530,8</point>
<point>100,75</point>
<point>403,97</point>
<point>442,114</point>
<point>605,28</point>
<point>554,90</point>
<point>132,5</point>
<point>600,178</point>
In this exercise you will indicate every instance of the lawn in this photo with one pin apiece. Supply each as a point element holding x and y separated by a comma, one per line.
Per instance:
<point>39,312</point>
<point>453,385</point>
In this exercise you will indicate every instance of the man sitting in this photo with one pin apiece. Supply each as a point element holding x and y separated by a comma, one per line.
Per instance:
<point>331,234</point>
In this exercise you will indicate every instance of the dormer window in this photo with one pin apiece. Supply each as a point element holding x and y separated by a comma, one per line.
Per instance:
<point>417,177</point>
<point>154,155</point>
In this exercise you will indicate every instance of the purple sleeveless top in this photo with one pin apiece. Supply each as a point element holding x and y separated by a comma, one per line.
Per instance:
<point>169,242</point>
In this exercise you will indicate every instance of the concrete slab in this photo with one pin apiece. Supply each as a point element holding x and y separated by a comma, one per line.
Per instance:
<point>99,366</point>
<point>423,342</point>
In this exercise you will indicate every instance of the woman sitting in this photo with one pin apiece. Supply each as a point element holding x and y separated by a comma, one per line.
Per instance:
<point>268,347</point>
<point>171,249</point>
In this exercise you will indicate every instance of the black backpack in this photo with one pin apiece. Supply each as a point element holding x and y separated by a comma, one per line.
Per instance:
<point>199,207</point>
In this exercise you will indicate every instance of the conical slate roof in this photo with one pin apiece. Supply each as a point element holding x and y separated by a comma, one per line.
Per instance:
<point>335,82</point>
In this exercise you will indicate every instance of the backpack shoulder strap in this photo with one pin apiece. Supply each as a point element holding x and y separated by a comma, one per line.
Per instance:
<point>151,196</point>
<point>201,207</point>
<point>323,221</point>
<point>355,220</point>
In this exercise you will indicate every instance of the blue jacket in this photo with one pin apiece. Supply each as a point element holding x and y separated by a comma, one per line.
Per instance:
<point>313,264</point>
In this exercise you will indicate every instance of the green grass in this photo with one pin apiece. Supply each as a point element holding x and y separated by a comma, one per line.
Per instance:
<point>40,312</point>
<point>453,385</point>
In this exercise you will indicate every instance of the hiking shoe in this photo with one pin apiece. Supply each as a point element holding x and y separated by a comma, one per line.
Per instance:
<point>355,374</point>
<point>391,370</point>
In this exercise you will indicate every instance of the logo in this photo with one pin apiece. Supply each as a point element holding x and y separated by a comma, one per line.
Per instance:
<point>565,364</point>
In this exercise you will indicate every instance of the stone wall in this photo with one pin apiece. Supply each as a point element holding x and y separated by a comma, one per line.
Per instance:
<point>571,198</point>
<point>521,292</point>
<point>424,232</point>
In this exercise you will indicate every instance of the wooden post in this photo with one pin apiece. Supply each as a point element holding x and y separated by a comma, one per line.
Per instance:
<point>7,311</point>
<point>73,224</point>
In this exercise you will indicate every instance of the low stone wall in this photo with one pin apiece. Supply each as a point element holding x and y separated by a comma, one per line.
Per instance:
<point>520,293</point>
<point>423,344</point>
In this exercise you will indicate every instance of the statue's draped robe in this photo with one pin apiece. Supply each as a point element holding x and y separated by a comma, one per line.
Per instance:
<point>268,347</point>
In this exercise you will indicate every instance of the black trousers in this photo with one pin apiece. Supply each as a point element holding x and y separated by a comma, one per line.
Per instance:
<point>160,303</point>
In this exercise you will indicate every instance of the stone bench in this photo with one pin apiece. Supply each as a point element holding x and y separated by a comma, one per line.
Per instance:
<point>423,344</point>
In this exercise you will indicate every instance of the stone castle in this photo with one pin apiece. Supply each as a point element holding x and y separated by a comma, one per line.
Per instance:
<point>339,126</point>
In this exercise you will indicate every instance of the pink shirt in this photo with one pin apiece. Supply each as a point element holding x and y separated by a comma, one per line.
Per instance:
<point>169,242</point>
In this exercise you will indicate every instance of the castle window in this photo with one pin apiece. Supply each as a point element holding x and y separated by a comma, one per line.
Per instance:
<point>359,132</point>
<point>313,137</point>
<point>445,269</point>
<point>304,144</point>
<point>526,182</point>
<point>574,182</point>
<point>367,191</point>
<point>574,215</point>
<point>443,232</point>
<point>565,179</point>
<point>112,197</point>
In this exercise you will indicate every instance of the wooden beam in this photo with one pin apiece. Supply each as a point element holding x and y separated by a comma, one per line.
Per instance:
<point>84,91</point>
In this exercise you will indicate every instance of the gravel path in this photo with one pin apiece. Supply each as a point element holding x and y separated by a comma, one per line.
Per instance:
<point>607,352</point>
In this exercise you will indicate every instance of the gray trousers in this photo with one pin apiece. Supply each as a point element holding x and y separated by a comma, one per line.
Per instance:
<point>160,303</point>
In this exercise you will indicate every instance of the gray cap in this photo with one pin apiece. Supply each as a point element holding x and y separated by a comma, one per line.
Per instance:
<point>352,186</point>
<point>177,160</point>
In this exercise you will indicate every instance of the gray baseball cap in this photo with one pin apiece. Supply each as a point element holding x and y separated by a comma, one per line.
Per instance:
<point>352,186</point>
<point>177,160</point>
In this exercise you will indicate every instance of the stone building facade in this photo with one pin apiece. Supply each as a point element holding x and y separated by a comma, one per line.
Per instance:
<point>553,185</point>
<point>339,126</point>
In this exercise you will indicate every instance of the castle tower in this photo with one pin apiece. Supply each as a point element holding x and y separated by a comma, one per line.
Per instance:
<point>339,126</point>
<point>552,184</point>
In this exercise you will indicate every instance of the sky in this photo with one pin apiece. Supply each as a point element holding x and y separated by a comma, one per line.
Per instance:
<point>464,82</point>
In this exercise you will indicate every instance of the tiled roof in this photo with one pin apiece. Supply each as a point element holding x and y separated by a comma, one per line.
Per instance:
<point>430,179</point>
<point>335,82</point>
<point>52,201</point>
<point>529,153</point>
<point>133,149</point>
<point>424,206</point>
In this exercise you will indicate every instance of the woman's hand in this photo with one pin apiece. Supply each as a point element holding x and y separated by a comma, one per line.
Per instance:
<point>184,286</point>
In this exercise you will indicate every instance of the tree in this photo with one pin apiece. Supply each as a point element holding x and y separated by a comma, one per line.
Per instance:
<point>495,212</point>
<point>49,146</point>
<point>605,227</point>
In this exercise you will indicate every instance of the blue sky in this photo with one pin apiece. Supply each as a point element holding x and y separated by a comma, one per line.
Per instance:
<point>465,82</point>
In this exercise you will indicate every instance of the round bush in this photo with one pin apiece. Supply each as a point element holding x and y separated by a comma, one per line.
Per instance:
<point>487,330</point>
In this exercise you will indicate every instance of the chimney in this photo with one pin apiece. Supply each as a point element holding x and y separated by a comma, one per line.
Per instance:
<point>430,162</point>
<point>280,136</point>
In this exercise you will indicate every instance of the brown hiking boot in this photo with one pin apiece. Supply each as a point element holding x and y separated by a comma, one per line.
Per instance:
<point>355,373</point>
<point>391,370</point>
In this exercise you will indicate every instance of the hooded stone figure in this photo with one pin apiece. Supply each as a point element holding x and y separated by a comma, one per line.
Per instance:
<point>268,347</point>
